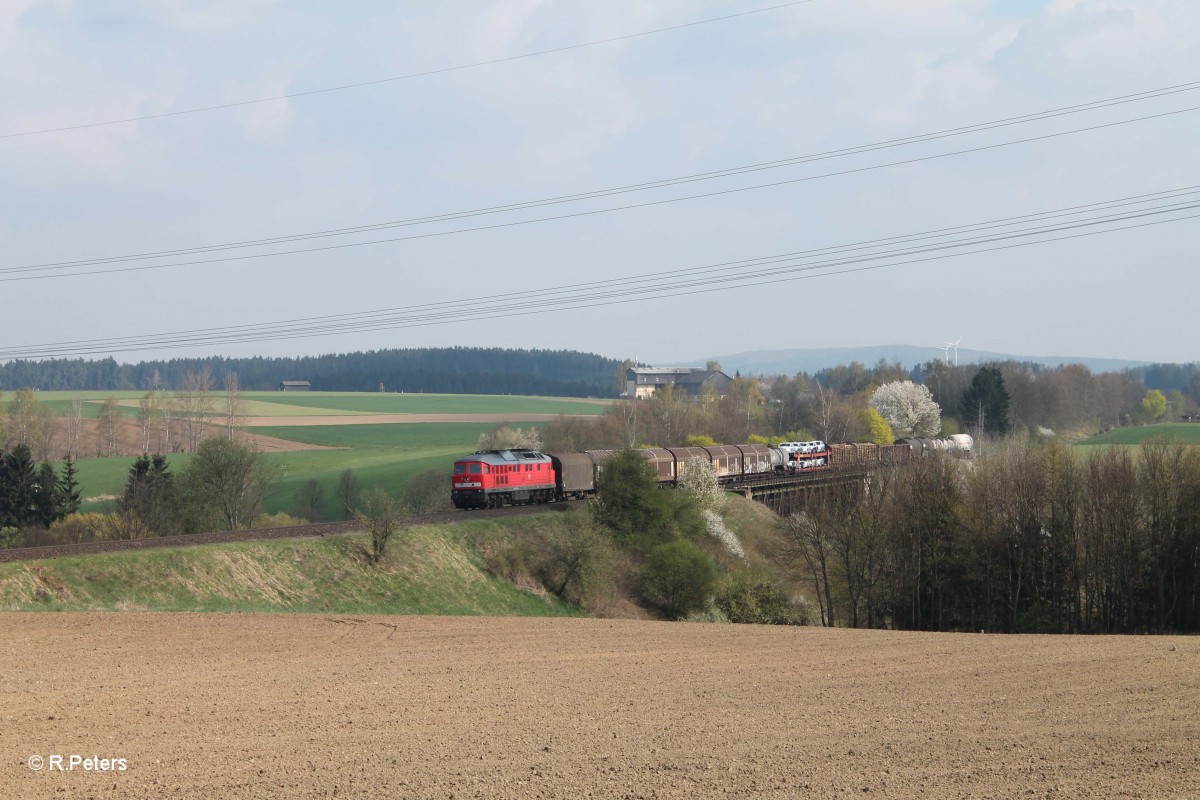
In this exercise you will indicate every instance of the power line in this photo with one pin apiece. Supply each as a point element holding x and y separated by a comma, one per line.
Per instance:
<point>1041,216</point>
<point>598,211</point>
<point>65,266</point>
<point>409,76</point>
<point>750,272</point>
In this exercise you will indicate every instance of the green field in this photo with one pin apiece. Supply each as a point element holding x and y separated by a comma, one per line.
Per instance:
<point>432,403</point>
<point>431,570</point>
<point>1181,431</point>
<point>384,455</point>
<point>381,455</point>
<point>279,404</point>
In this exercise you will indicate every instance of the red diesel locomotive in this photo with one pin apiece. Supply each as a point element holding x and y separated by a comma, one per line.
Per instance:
<point>502,477</point>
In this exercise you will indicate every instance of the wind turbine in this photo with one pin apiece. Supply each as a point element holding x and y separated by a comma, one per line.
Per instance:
<point>948,347</point>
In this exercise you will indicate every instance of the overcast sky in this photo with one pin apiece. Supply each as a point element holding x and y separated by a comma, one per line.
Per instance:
<point>789,82</point>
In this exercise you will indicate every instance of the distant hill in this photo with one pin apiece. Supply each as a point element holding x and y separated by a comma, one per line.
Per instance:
<point>776,362</point>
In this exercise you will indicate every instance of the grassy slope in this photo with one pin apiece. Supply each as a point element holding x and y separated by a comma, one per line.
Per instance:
<point>436,571</point>
<point>1184,431</point>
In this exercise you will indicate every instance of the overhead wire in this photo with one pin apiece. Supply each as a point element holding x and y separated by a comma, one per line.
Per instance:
<point>740,274</point>
<point>395,78</point>
<point>54,269</point>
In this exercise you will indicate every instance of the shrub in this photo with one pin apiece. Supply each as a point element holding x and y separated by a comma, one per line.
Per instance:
<point>382,517</point>
<point>678,577</point>
<point>700,441</point>
<point>426,492</point>
<point>11,537</point>
<point>630,502</point>
<point>280,520</point>
<point>79,528</point>
<point>751,597</point>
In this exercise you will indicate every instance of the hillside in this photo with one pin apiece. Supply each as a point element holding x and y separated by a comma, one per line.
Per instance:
<point>438,571</point>
<point>476,566</point>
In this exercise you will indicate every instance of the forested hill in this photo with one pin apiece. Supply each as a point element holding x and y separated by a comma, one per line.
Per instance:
<point>458,370</point>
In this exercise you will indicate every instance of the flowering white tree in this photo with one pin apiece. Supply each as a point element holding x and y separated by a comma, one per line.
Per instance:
<point>909,408</point>
<point>506,438</point>
<point>699,481</point>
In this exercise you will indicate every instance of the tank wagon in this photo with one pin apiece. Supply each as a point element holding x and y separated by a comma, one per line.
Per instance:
<point>493,478</point>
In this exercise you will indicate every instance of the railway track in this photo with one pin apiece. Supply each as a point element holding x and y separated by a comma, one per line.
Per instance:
<point>312,530</point>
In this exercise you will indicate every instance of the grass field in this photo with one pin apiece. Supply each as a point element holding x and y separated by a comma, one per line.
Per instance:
<point>431,403</point>
<point>1181,431</point>
<point>380,455</point>
<point>278,404</point>
<point>431,570</point>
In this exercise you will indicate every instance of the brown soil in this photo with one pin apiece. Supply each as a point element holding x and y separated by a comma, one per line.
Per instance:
<point>378,419</point>
<point>93,441</point>
<point>256,706</point>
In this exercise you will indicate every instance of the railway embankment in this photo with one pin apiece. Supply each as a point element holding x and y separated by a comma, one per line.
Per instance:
<point>512,562</point>
<point>430,570</point>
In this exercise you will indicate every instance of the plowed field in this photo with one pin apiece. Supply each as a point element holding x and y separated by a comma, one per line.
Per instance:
<point>255,706</point>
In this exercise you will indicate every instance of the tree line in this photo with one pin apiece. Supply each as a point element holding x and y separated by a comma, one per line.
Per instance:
<point>455,370</point>
<point>171,422</point>
<point>852,403</point>
<point>1026,538</point>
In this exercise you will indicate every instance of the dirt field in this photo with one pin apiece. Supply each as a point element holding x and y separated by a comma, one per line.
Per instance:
<point>255,706</point>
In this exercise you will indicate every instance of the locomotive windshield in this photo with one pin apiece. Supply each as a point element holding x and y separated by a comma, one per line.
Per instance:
<point>460,468</point>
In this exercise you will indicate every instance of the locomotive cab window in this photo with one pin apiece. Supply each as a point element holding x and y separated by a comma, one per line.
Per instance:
<point>475,468</point>
<point>460,469</point>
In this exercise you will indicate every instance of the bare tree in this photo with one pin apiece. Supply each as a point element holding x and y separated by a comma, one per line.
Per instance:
<point>310,499</point>
<point>426,492</point>
<point>195,404</point>
<point>347,491</point>
<point>147,410</point>
<point>234,403</point>
<point>810,543</point>
<point>21,411</point>
<point>43,431</point>
<point>381,515</point>
<point>74,426</point>
<point>110,420</point>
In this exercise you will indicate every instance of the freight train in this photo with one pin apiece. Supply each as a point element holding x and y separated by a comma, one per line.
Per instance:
<point>494,478</point>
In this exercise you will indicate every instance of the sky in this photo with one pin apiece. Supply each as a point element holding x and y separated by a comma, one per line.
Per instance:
<point>763,87</point>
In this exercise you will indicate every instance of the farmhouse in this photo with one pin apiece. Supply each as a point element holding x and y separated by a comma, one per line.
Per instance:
<point>645,381</point>
<point>294,386</point>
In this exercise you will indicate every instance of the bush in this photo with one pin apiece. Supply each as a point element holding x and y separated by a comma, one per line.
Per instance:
<point>710,613</point>
<point>426,492</point>
<point>382,517</point>
<point>630,502</point>
<point>11,537</point>
<point>280,520</point>
<point>79,528</point>
<point>678,577</point>
<point>751,597</point>
<point>700,441</point>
